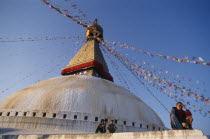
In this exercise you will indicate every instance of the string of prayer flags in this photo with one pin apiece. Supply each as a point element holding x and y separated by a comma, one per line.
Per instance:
<point>141,71</point>
<point>117,72</point>
<point>161,56</point>
<point>182,89</point>
<point>131,66</point>
<point>178,78</point>
<point>65,14</point>
<point>40,39</point>
<point>77,9</point>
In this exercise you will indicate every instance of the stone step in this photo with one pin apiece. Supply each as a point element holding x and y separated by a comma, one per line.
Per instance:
<point>167,134</point>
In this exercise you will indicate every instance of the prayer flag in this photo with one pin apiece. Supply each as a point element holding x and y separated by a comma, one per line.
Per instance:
<point>186,57</point>
<point>200,59</point>
<point>193,58</point>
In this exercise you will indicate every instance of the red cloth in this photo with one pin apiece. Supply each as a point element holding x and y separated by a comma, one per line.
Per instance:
<point>95,64</point>
<point>181,116</point>
<point>188,113</point>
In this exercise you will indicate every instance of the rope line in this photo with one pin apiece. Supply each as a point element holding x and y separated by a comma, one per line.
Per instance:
<point>161,56</point>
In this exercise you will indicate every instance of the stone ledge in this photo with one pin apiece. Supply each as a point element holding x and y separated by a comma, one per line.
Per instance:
<point>168,134</point>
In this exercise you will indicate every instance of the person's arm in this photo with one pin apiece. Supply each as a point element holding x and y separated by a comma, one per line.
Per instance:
<point>97,129</point>
<point>187,111</point>
<point>105,128</point>
<point>108,127</point>
<point>189,118</point>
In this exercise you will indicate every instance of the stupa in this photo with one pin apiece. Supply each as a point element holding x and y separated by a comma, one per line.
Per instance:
<point>77,101</point>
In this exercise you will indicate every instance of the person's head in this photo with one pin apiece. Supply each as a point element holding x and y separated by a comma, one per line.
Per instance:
<point>111,122</point>
<point>102,121</point>
<point>179,105</point>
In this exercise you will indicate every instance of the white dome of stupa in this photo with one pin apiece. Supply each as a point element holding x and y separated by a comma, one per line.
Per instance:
<point>84,95</point>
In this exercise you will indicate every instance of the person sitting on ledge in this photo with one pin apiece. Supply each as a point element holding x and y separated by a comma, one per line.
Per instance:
<point>180,119</point>
<point>101,127</point>
<point>112,127</point>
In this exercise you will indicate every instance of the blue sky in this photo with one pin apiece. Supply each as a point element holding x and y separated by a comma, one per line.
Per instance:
<point>173,28</point>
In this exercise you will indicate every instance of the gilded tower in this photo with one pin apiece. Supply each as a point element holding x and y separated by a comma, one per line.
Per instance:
<point>89,60</point>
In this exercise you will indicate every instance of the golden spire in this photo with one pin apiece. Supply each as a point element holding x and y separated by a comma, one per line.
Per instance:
<point>89,60</point>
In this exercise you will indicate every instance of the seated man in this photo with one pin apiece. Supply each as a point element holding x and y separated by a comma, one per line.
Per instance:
<point>180,119</point>
<point>112,127</point>
<point>101,127</point>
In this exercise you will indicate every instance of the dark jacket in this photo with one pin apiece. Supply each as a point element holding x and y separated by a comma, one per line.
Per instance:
<point>101,128</point>
<point>112,128</point>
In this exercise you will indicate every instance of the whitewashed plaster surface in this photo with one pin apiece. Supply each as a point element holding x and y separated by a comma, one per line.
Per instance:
<point>83,94</point>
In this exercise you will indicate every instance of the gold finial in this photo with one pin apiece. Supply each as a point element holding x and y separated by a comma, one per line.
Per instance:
<point>94,31</point>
